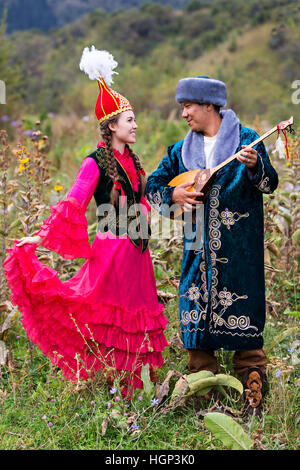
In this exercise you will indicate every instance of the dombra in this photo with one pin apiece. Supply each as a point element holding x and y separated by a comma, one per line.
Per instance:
<point>202,180</point>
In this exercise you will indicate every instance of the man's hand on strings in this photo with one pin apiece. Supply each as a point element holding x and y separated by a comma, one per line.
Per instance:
<point>248,157</point>
<point>186,198</point>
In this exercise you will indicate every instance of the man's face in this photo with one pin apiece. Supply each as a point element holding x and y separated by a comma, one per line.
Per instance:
<point>195,115</point>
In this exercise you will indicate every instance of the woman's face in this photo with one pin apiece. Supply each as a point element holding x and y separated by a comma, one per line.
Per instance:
<point>123,130</point>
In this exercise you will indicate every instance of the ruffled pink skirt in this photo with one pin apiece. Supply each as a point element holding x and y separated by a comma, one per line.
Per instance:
<point>107,317</point>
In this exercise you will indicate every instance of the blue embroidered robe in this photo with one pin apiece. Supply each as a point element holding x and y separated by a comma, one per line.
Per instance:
<point>222,285</point>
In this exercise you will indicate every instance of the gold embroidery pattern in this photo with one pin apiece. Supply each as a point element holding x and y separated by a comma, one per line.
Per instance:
<point>229,218</point>
<point>156,199</point>
<point>194,316</point>
<point>263,184</point>
<point>223,298</point>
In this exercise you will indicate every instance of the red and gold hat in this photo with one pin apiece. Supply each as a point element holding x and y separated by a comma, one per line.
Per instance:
<point>100,65</point>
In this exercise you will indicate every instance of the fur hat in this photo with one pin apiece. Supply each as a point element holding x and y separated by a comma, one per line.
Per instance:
<point>201,90</point>
<point>100,65</point>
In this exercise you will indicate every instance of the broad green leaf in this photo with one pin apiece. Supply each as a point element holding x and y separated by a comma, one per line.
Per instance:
<point>203,374</point>
<point>200,383</point>
<point>198,376</point>
<point>230,433</point>
<point>216,380</point>
<point>145,376</point>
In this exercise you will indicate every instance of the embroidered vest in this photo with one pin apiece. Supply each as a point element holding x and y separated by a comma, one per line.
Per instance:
<point>128,220</point>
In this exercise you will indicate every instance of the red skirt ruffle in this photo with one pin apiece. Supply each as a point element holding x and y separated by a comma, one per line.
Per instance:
<point>65,231</point>
<point>107,317</point>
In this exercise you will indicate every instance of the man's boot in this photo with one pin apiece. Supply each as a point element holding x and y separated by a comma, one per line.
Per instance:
<point>254,383</point>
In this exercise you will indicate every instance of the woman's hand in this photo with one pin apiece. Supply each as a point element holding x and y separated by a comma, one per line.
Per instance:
<point>185,198</point>
<point>248,157</point>
<point>37,240</point>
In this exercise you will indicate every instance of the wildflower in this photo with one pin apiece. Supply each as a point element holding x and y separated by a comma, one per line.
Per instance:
<point>108,405</point>
<point>118,398</point>
<point>15,123</point>
<point>21,168</point>
<point>24,160</point>
<point>155,401</point>
<point>278,373</point>
<point>134,426</point>
<point>58,187</point>
<point>50,424</point>
<point>113,390</point>
<point>5,118</point>
<point>140,397</point>
<point>28,133</point>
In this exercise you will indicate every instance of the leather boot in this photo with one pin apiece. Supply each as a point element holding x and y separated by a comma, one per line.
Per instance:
<point>254,383</point>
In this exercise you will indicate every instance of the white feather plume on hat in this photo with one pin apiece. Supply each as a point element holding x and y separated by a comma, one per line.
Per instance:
<point>98,64</point>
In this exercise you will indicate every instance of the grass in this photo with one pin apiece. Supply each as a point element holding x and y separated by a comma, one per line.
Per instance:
<point>41,410</point>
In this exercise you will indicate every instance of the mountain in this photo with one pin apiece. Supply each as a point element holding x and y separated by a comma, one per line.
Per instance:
<point>47,14</point>
<point>155,45</point>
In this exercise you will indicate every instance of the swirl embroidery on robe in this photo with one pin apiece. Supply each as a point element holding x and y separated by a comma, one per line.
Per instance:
<point>223,298</point>
<point>263,184</point>
<point>156,200</point>
<point>194,316</point>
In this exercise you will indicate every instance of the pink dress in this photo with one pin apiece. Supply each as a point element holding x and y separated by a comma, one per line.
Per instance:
<point>107,317</point>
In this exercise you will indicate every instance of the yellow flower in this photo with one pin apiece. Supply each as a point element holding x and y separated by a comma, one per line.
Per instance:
<point>58,187</point>
<point>21,168</point>
<point>24,160</point>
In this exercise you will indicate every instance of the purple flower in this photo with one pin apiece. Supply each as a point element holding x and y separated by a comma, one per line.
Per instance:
<point>140,397</point>
<point>50,424</point>
<point>5,118</point>
<point>15,123</point>
<point>108,404</point>
<point>28,133</point>
<point>155,401</point>
<point>278,373</point>
<point>117,398</point>
<point>113,390</point>
<point>134,426</point>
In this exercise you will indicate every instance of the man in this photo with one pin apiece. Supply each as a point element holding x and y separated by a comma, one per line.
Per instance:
<point>222,289</point>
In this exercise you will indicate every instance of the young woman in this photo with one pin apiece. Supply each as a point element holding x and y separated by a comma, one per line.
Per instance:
<point>107,317</point>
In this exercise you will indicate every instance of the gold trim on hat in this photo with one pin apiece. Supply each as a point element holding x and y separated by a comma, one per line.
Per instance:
<point>119,111</point>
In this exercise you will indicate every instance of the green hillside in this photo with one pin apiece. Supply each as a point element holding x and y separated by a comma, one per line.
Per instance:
<point>155,45</point>
<point>47,14</point>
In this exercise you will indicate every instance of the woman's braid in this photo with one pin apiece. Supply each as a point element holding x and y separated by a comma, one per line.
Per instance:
<point>110,157</point>
<point>111,161</point>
